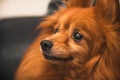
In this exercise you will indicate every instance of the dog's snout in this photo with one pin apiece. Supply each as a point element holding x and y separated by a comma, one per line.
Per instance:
<point>46,45</point>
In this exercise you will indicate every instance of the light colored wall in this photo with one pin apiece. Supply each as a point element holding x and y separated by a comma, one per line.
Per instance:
<point>18,8</point>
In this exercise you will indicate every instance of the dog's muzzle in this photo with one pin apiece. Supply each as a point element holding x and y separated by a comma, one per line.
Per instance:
<point>46,47</point>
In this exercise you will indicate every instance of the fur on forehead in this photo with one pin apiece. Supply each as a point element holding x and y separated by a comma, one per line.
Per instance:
<point>112,11</point>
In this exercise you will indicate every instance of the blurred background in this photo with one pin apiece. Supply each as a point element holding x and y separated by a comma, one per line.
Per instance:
<point>22,8</point>
<point>18,20</point>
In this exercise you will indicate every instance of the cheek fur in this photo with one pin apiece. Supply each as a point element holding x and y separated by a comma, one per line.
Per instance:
<point>81,48</point>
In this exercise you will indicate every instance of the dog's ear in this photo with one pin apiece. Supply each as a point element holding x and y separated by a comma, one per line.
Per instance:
<point>78,3</point>
<point>108,9</point>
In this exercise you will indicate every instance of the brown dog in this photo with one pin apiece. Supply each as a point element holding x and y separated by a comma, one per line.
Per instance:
<point>80,42</point>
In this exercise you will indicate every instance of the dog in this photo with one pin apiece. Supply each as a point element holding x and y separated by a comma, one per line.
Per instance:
<point>79,42</point>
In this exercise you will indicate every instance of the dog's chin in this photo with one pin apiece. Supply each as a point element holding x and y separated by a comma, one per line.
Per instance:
<point>55,58</point>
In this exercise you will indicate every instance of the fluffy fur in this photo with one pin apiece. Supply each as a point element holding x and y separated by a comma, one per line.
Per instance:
<point>94,57</point>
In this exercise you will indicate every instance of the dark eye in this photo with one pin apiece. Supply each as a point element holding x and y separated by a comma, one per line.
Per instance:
<point>77,36</point>
<point>56,30</point>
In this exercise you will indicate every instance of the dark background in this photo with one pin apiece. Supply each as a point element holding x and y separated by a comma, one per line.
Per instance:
<point>16,34</point>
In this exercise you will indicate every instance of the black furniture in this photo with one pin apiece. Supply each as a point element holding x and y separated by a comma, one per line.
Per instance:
<point>16,35</point>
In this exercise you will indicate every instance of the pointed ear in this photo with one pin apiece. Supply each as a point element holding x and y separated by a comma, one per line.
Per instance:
<point>108,9</point>
<point>78,3</point>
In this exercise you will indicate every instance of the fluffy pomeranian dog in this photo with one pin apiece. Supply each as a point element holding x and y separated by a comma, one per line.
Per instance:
<point>79,42</point>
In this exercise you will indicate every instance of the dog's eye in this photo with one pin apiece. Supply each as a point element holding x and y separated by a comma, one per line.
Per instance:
<point>56,30</point>
<point>77,36</point>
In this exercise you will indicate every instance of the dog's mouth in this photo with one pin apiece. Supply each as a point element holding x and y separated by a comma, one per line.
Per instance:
<point>49,56</point>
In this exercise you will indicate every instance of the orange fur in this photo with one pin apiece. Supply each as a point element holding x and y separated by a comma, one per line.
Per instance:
<point>94,57</point>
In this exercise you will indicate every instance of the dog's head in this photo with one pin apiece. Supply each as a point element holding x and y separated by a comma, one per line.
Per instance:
<point>82,33</point>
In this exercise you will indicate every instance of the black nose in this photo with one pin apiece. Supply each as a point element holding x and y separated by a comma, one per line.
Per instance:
<point>46,45</point>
